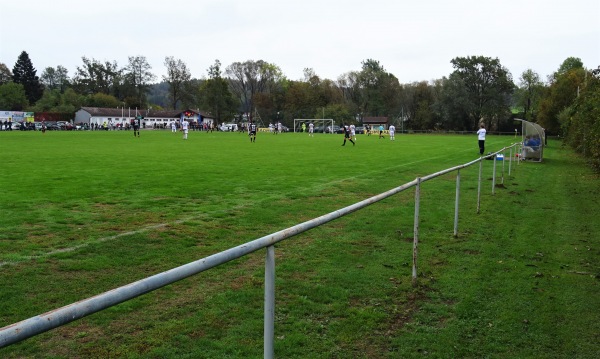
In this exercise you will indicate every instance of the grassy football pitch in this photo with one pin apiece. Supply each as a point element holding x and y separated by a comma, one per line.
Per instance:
<point>85,212</point>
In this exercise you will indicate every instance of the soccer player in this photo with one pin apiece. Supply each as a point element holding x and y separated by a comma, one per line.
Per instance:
<point>311,129</point>
<point>392,132</point>
<point>252,132</point>
<point>347,135</point>
<point>173,126</point>
<point>136,127</point>
<point>380,131</point>
<point>184,127</point>
<point>353,132</point>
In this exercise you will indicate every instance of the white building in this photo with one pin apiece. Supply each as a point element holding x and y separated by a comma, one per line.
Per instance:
<point>150,118</point>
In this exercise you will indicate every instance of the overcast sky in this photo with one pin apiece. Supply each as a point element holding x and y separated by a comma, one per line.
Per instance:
<point>414,40</point>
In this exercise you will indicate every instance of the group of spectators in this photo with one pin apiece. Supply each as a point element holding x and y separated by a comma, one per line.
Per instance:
<point>6,125</point>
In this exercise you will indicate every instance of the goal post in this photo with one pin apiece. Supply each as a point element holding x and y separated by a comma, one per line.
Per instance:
<point>321,124</point>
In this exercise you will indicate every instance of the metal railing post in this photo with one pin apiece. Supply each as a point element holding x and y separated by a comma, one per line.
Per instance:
<point>416,230</point>
<point>503,161</point>
<point>479,186</point>
<point>510,162</point>
<point>456,203</point>
<point>494,176</point>
<point>269,316</point>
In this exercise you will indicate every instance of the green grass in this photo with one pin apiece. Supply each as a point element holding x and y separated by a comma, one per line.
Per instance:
<point>85,212</point>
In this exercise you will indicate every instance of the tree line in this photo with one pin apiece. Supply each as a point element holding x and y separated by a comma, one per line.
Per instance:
<point>479,89</point>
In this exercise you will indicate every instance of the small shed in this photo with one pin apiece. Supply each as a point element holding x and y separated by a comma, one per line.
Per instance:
<point>376,121</point>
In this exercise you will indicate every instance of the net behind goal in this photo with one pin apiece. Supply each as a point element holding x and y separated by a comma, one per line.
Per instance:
<point>322,125</point>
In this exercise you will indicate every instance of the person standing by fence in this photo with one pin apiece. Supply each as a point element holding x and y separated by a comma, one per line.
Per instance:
<point>481,138</point>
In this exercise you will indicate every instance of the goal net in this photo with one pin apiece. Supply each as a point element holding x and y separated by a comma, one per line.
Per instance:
<point>322,125</point>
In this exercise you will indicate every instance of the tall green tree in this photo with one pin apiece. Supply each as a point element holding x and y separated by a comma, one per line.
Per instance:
<point>97,77</point>
<point>379,90</point>
<point>529,93</point>
<point>581,120</point>
<point>454,105</point>
<point>422,108</point>
<point>179,79</point>
<point>570,63</point>
<point>348,85</point>
<point>247,79</point>
<point>25,74</point>
<point>13,97</point>
<point>138,74</point>
<point>487,86</point>
<point>215,95</point>
<point>5,74</point>
<point>564,88</point>
<point>298,100</point>
<point>55,78</point>
<point>311,98</point>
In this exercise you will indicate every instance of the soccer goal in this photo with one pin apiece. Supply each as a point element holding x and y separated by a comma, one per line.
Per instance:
<point>322,125</point>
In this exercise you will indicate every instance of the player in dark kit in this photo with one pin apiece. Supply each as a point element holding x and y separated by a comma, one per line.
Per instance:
<point>252,132</point>
<point>347,135</point>
<point>135,123</point>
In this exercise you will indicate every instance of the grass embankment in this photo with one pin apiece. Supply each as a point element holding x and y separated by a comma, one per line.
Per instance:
<point>86,212</point>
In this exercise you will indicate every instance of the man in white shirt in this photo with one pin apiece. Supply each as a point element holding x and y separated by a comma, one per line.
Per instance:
<point>311,129</point>
<point>392,130</point>
<point>184,128</point>
<point>481,139</point>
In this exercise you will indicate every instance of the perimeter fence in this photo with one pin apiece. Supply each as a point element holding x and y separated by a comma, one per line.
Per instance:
<point>44,322</point>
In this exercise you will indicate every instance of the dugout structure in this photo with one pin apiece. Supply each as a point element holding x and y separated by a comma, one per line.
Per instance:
<point>534,141</point>
<point>321,124</point>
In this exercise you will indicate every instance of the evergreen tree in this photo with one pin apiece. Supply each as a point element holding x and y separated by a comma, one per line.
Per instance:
<point>25,74</point>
